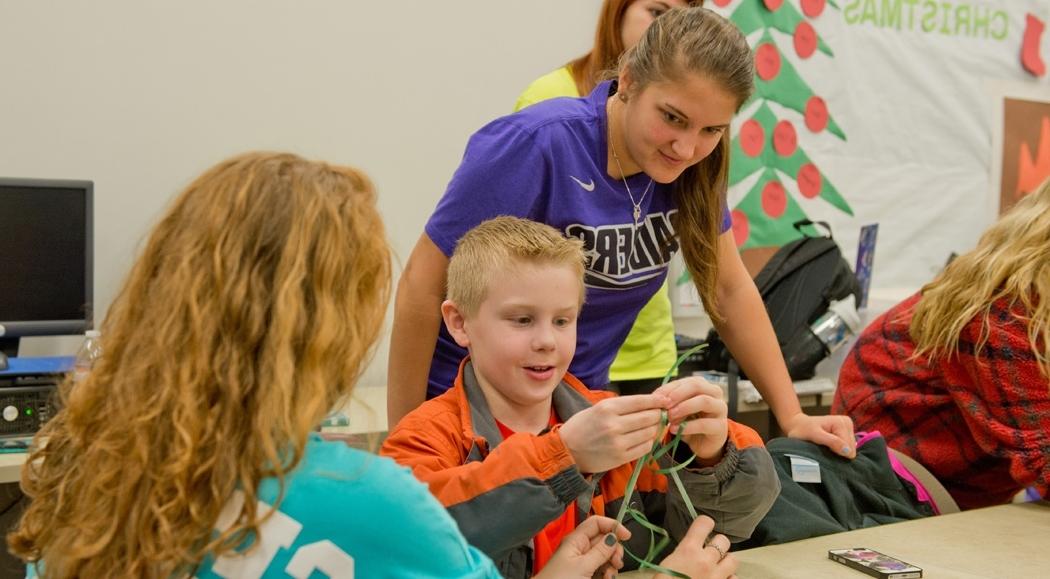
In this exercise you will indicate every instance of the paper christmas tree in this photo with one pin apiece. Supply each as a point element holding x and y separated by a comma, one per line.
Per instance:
<point>768,145</point>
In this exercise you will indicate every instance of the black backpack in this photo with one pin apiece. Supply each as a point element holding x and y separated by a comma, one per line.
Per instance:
<point>797,285</point>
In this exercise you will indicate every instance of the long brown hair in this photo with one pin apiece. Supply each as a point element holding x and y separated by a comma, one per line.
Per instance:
<point>697,41</point>
<point>589,69</point>
<point>249,316</point>
<point>1012,262</point>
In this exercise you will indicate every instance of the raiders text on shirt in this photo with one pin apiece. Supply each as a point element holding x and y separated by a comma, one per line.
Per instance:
<point>611,261</point>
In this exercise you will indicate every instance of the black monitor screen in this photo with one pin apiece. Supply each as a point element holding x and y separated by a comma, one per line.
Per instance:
<point>45,256</point>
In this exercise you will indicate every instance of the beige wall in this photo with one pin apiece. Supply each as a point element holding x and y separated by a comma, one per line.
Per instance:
<point>140,96</point>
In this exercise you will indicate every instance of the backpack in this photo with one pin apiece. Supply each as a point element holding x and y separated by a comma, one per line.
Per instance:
<point>796,286</point>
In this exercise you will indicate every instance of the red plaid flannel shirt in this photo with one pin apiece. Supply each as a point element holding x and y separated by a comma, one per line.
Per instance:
<point>980,425</point>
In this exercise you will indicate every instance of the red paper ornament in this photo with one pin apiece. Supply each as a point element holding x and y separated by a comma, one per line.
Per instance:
<point>767,61</point>
<point>809,180</point>
<point>785,139</point>
<point>752,138</point>
<point>774,199</point>
<point>805,39</point>
<point>816,114</point>
<point>813,8</point>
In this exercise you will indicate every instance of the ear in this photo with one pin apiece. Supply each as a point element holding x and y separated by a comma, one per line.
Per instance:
<point>455,322</point>
<point>624,83</point>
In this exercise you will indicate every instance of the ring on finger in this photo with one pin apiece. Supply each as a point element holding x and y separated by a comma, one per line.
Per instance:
<point>721,554</point>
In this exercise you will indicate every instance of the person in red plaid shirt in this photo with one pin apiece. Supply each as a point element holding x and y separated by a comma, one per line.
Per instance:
<point>958,375</point>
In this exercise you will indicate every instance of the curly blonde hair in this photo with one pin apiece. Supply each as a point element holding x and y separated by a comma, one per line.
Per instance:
<point>1011,261</point>
<point>248,317</point>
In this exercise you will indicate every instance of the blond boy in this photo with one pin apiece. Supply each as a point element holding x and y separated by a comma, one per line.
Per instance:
<point>519,451</point>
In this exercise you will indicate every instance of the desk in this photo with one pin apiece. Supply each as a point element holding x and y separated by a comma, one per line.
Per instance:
<point>1007,541</point>
<point>1003,541</point>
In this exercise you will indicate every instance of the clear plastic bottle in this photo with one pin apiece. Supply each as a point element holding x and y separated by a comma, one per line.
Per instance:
<point>89,352</point>
<point>811,344</point>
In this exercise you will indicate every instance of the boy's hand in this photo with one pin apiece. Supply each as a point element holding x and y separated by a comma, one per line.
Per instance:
<point>700,402</point>
<point>614,431</point>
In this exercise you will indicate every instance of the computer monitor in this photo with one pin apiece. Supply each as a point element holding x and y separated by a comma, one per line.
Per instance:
<point>46,259</point>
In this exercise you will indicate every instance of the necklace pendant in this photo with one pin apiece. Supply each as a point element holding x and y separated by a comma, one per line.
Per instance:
<point>637,214</point>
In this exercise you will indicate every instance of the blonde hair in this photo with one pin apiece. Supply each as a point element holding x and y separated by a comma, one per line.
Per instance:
<point>249,315</point>
<point>493,246</point>
<point>1012,262</point>
<point>696,41</point>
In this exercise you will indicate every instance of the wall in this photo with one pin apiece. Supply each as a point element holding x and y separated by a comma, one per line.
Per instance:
<point>142,96</point>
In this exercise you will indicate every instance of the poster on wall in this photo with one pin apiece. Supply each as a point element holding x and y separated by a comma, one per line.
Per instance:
<point>1025,148</point>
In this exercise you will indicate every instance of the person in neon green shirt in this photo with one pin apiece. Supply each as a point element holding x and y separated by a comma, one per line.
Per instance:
<point>649,350</point>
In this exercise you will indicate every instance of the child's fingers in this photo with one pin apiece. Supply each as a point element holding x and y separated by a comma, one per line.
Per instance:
<point>598,526</point>
<point>686,388</point>
<point>639,420</point>
<point>637,403</point>
<point>639,438</point>
<point>702,426</point>
<point>638,451</point>
<point>702,405</point>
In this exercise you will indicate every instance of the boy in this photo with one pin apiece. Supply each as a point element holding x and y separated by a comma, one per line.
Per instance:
<point>519,450</point>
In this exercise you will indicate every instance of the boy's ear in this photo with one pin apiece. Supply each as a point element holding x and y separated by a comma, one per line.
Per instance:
<point>455,322</point>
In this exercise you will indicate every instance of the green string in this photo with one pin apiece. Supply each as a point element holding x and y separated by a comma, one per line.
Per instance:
<point>658,450</point>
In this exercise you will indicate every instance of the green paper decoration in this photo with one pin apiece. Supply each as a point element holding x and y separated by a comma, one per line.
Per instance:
<point>767,145</point>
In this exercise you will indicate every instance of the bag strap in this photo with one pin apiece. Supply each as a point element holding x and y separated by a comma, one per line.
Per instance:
<point>798,225</point>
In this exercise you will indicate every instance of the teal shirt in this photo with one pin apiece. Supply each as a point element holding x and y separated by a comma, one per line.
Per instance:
<point>348,513</point>
<point>345,514</point>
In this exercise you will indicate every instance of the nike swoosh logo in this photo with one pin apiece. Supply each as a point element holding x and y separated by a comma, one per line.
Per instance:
<point>588,186</point>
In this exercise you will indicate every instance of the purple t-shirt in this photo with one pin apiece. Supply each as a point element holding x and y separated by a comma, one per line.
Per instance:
<point>547,163</point>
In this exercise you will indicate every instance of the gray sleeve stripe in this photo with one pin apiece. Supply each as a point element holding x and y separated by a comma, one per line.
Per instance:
<point>510,515</point>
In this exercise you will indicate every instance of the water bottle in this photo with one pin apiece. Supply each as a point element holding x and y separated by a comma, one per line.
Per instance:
<point>89,352</point>
<point>838,324</point>
<point>809,345</point>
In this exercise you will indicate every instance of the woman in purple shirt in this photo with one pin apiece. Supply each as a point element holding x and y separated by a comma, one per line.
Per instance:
<point>637,170</point>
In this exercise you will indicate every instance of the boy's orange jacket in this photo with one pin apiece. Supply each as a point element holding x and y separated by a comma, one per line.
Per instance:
<point>502,492</point>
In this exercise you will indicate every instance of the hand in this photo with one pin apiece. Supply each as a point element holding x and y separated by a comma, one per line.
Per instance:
<point>592,546</point>
<point>614,431</point>
<point>700,402</point>
<point>700,554</point>
<point>833,431</point>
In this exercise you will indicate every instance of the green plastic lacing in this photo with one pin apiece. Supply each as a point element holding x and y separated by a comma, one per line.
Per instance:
<point>658,450</point>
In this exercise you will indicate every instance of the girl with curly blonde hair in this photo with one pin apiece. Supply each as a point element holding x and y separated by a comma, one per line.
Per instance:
<point>958,375</point>
<point>190,448</point>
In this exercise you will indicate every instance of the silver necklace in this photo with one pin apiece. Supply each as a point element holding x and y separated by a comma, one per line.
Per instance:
<point>637,204</point>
